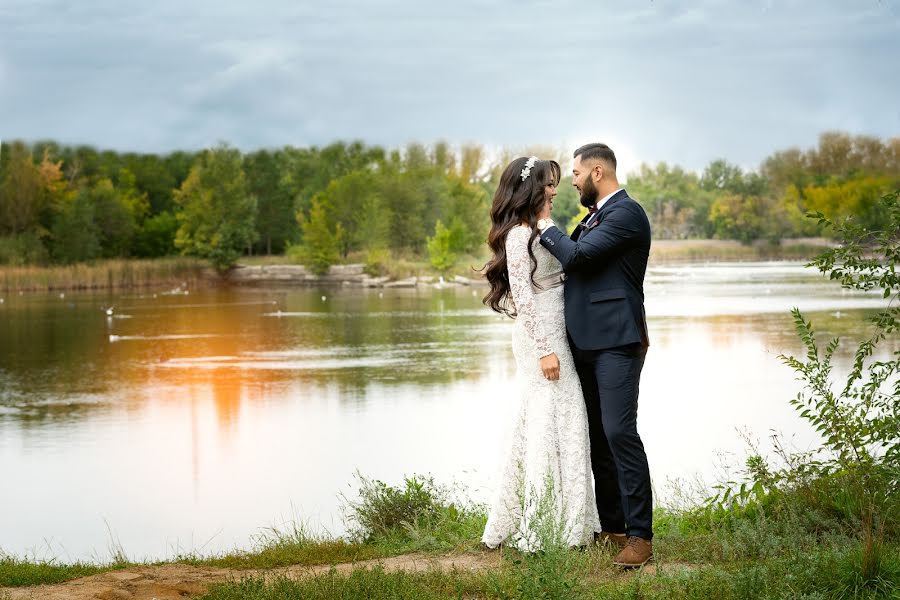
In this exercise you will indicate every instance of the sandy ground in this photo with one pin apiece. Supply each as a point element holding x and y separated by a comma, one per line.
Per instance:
<point>168,582</point>
<point>182,581</point>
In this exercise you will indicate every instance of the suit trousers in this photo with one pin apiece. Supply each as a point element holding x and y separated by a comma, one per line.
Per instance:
<point>610,379</point>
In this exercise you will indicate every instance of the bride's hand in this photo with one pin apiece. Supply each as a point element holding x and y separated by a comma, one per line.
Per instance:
<point>550,367</point>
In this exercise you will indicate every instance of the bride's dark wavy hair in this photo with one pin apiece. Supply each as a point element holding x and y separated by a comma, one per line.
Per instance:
<point>515,202</point>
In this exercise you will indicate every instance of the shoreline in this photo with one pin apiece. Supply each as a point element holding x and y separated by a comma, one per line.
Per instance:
<point>125,274</point>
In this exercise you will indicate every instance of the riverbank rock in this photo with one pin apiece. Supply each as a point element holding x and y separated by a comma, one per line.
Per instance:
<point>339,275</point>
<point>463,281</point>
<point>297,274</point>
<point>410,282</point>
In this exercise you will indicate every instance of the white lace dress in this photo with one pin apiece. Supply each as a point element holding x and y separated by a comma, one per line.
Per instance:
<point>545,493</point>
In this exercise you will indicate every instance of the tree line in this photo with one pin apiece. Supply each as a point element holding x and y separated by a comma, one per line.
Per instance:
<point>63,204</point>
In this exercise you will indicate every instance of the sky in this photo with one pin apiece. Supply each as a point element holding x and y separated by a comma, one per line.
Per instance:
<point>679,81</point>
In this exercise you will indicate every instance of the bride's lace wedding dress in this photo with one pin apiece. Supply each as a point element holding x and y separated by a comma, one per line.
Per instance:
<point>546,493</point>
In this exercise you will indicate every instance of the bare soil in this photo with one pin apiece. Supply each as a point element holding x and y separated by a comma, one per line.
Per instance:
<point>167,582</point>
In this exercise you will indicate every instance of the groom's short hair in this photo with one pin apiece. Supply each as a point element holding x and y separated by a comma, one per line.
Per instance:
<point>596,152</point>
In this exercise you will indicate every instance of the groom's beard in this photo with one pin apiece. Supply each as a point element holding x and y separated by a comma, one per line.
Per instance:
<point>589,193</point>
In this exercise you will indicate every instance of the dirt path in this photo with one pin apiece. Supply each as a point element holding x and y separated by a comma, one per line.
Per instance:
<point>167,582</point>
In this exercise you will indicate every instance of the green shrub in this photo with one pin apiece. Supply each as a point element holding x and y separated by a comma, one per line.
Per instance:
<point>418,515</point>
<point>22,249</point>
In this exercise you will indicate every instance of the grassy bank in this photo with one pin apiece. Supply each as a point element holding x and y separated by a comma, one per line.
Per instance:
<point>790,549</point>
<point>109,274</point>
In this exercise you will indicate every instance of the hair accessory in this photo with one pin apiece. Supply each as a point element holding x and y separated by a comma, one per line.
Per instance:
<point>527,170</point>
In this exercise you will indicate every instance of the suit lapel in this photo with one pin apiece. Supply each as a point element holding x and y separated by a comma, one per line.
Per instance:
<point>576,233</point>
<point>583,228</point>
<point>618,197</point>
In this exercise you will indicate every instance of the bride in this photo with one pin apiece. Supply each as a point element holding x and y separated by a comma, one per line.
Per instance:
<point>546,493</point>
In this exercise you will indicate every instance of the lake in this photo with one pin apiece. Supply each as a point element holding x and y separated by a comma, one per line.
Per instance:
<point>188,420</point>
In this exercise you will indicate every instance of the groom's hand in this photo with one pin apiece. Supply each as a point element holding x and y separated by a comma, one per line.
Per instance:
<point>550,367</point>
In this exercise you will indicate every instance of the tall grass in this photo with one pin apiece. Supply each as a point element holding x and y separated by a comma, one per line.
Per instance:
<point>420,515</point>
<point>110,274</point>
<point>731,250</point>
<point>790,547</point>
<point>17,572</point>
<point>289,543</point>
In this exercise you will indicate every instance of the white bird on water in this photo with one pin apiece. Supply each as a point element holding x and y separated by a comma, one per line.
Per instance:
<point>109,311</point>
<point>323,298</point>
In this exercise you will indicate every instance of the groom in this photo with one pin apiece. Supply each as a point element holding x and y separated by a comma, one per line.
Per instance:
<point>605,259</point>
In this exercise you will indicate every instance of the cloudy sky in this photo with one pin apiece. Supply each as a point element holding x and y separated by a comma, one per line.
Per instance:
<point>685,81</point>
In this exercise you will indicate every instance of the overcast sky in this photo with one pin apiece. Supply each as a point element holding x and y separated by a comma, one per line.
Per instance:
<point>683,81</point>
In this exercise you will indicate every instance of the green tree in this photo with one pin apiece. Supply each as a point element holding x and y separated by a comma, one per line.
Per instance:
<point>21,202</point>
<point>467,210</point>
<point>156,237</point>
<point>350,201</point>
<point>75,235</point>
<point>858,197</point>
<point>320,248</point>
<point>115,215</point>
<point>30,197</point>
<point>275,204</point>
<point>736,217</point>
<point>308,171</point>
<point>440,251</point>
<point>567,203</point>
<point>676,205</point>
<point>405,203</point>
<point>470,163</point>
<point>216,210</point>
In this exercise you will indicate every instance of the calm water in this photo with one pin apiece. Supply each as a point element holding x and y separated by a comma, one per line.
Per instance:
<point>188,422</point>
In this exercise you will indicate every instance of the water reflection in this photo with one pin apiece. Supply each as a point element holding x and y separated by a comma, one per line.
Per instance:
<point>189,421</point>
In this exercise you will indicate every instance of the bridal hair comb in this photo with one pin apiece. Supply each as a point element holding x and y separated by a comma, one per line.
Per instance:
<point>527,170</point>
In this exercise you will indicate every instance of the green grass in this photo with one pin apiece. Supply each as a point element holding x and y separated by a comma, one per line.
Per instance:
<point>787,548</point>
<point>288,545</point>
<point>370,584</point>
<point>15,572</point>
<point>830,573</point>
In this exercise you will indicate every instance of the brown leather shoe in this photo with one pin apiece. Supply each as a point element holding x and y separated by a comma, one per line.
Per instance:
<point>637,553</point>
<point>611,540</point>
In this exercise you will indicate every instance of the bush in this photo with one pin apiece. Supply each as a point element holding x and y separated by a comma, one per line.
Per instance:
<point>22,249</point>
<point>850,483</point>
<point>376,262</point>
<point>418,515</point>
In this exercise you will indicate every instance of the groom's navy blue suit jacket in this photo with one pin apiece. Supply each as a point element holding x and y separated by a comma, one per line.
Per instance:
<point>605,265</point>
